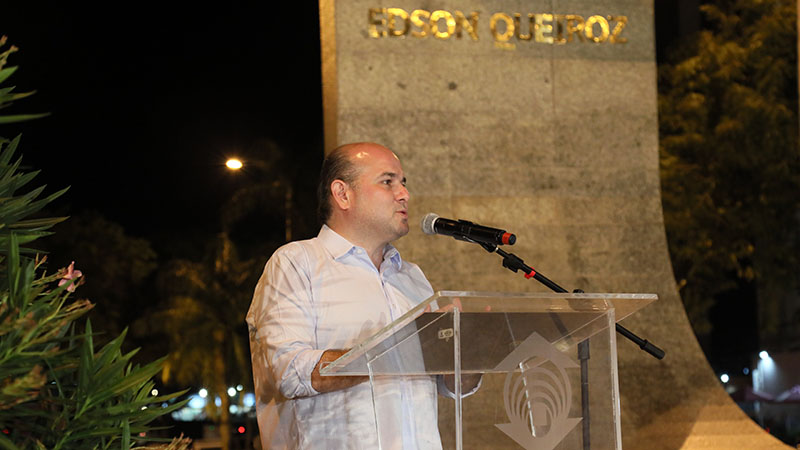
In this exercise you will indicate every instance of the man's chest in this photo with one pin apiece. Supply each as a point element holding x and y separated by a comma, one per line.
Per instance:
<point>352,303</point>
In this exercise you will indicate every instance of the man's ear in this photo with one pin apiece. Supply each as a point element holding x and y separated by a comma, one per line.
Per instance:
<point>341,194</point>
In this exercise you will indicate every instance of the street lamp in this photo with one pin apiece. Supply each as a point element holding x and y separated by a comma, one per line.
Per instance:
<point>234,164</point>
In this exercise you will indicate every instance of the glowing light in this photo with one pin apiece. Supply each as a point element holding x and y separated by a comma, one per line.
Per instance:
<point>239,387</point>
<point>746,370</point>
<point>234,164</point>
<point>154,392</point>
<point>231,392</point>
<point>249,400</point>
<point>218,401</point>
<point>197,402</point>
<point>241,430</point>
<point>724,378</point>
<point>763,354</point>
<point>203,393</point>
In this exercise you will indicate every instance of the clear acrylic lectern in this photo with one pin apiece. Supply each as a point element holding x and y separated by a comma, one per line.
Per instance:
<point>532,392</point>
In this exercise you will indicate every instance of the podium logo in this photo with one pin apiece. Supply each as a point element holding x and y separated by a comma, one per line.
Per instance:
<point>537,395</point>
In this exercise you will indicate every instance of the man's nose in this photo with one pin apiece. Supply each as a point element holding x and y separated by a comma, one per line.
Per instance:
<point>402,194</point>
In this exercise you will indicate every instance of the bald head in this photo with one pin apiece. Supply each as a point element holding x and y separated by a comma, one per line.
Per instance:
<point>343,163</point>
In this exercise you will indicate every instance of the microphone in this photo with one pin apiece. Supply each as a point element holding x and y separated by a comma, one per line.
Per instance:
<point>466,231</point>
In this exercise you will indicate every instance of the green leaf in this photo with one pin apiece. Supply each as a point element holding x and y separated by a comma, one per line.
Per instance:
<point>37,224</point>
<point>126,435</point>
<point>21,117</point>
<point>5,73</point>
<point>85,370</point>
<point>13,269</point>
<point>7,444</point>
<point>111,350</point>
<point>8,152</point>
<point>131,380</point>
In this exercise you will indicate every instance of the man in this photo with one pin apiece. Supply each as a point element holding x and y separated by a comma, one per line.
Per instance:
<point>319,297</point>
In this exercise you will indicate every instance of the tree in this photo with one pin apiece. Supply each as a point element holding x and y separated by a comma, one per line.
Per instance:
<point>205,324</point>
<point>730,164</point>
<point>274,202</point>
<point>207,300</point>
<point>117,266</point>
<point>57,390</point>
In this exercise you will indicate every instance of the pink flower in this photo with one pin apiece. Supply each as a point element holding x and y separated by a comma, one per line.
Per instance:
<point>70,275</point>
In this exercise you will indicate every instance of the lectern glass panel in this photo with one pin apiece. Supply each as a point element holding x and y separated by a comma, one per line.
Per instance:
<point>546,363</point>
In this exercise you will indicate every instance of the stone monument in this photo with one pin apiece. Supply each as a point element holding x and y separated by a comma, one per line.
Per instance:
<point>538,117</point>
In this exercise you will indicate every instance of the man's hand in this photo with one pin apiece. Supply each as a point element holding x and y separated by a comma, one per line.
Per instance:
<point>332,383</point>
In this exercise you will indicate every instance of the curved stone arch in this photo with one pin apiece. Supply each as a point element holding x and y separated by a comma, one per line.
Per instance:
<point>557,143</point>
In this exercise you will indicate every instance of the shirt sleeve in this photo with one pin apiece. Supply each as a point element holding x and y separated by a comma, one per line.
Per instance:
<point>282,318</point>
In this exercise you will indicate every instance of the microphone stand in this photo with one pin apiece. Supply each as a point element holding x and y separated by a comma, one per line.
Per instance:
<point>514,263</point>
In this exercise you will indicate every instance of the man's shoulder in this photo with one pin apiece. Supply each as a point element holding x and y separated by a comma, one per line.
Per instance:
<point>405,266</point>
<point>412,270</point>
<point>296,249</point>
<point>409,266</point>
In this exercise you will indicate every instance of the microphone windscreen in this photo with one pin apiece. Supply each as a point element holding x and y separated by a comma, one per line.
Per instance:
<point>427,223</point>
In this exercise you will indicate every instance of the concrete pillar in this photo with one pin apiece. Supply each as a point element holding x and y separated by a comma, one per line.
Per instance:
<point>547,130</point>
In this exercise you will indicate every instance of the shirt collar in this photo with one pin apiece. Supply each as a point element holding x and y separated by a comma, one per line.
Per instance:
<point>391,253</point>
<point>338,247</point>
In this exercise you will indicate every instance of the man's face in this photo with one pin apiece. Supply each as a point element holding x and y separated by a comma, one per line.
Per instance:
<point>380,202</point>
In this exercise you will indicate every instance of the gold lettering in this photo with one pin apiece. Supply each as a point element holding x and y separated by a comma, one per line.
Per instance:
<point>621,22</point>
<point>558,20</point>
<point>541,28</point>
<point>518,26</point>
<point>374,22</point>
<point>509,31</point>
<point>403,15</point>
<point>588,29</point>
<point>420,23</point>
<point>471,24</point>
<point>574,27</point>
<point>449,20</point>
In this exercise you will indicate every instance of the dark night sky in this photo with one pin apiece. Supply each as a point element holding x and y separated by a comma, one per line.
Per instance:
<point>147,100</point>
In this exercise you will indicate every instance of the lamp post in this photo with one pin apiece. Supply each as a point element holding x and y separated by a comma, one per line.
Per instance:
<point>236,164</point>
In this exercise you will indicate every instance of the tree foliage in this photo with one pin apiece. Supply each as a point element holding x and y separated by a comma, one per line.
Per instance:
<point>204,321</point>
<point>57,390</point>
<point>274,203</point>
<point>206,301</point>
<point>116,267</point>
<point>730,164</point>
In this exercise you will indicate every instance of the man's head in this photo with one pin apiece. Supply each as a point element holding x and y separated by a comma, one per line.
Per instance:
<point>362,193</point>
<point>336,166</point>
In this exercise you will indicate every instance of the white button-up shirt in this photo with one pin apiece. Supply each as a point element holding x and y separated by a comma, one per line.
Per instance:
<point>325,293</point>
